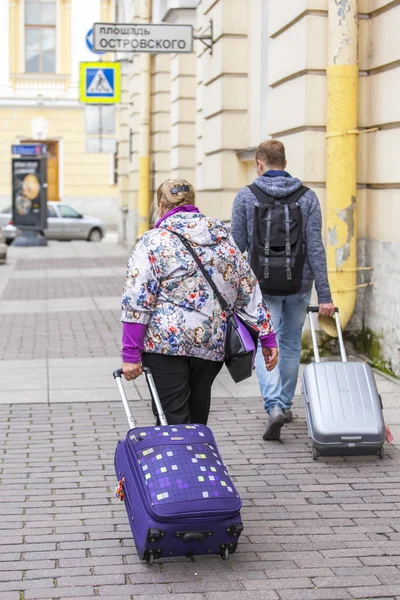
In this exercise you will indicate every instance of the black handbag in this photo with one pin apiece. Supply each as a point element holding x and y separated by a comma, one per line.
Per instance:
<point>241,335</point>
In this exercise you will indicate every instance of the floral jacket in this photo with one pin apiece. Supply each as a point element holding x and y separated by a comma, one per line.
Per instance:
<point>166,291</point>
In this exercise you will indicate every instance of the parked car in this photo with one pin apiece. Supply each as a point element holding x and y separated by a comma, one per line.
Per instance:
<point>10,232</point>
<point>63,223</point>
<point>3,248</point>
<point>5,217</point>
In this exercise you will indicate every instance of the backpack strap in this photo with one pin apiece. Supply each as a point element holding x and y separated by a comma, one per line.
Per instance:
<point>259,194</point>
<point>288,243</point>
<point>267,246</point>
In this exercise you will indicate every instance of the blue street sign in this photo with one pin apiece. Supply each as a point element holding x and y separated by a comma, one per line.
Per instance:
<point>89,42</point>
<point>100,83</point>
<point>29,149</point>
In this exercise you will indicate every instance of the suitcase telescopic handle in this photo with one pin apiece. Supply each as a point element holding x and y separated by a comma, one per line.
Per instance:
<point>118,378</point>
<point>315,309</point>
<point>153,391</point>
<point>154,395</point>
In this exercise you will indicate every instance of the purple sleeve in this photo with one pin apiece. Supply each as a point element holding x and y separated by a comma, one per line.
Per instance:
<point>268,341</point>
<point>132,342</point>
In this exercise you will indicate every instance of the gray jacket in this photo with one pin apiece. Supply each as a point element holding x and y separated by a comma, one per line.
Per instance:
<point>315,268</point>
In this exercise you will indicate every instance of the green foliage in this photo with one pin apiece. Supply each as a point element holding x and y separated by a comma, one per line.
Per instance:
<point>369,343</point>
<point>327,346</point>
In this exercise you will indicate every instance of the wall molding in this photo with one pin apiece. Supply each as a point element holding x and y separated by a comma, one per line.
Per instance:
<point>300,17</point>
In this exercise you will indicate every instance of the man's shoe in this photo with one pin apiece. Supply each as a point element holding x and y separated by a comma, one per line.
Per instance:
<point>276,420</point>
<point>288,416</point>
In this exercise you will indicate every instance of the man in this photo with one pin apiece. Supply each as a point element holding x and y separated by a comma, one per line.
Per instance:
<point>280,193</point>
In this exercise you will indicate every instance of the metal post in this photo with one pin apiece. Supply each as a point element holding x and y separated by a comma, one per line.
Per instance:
<point>144,130</point>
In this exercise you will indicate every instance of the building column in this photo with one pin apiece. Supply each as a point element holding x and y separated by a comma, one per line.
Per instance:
<point>132,84</point>
<point>106,11</point>
<point>183,116</point>
<point>123,155</point>
<point>160,122</point>
<point>144,129</point>
<point>222,105</point>
<point>64,44</point>
<point>134,119</point>
<point>15,37</point>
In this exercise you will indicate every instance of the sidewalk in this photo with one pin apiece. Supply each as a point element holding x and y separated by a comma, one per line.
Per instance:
<point>313,530</point>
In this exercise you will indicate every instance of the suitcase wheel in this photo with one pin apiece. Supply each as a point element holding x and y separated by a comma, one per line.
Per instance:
<point>225,554</point>
<point>381,452</point>
<point>150,559</point>
<point>315,454</point>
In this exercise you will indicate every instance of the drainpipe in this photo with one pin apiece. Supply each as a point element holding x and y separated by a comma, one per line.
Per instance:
<point>144,130</point>
<point>341,178</point>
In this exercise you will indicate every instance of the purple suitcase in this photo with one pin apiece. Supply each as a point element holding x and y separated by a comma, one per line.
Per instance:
<point>178,495</point>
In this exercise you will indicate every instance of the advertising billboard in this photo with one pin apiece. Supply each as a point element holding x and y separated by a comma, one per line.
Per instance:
<point>29,193</point>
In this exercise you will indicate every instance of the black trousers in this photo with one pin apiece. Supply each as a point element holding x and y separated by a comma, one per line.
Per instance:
<point>184,386</point>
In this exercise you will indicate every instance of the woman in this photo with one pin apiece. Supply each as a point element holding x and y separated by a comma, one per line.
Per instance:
<point>172,323</point>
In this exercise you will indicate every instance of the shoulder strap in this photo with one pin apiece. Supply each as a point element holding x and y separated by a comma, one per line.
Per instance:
<point>259,194</point>
<point>218,295</point>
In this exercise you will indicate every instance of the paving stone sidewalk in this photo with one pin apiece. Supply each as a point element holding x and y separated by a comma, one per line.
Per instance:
<point>325,530</point>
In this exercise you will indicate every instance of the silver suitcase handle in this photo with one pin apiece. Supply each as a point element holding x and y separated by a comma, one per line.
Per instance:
<point>153,391</point>
<point>315,309</point>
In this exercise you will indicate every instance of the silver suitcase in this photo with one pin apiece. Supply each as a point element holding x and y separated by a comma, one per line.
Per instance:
<point>343,406</point>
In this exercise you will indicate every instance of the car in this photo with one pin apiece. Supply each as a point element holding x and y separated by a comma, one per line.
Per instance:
<point>63,223</point>
<point>3,248</point>
<point>10,232</point>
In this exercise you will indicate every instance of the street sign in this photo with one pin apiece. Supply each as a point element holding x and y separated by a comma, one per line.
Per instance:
<point>100,119</point>
<point>29,193</point>
<point>29,149</point>
<point>89,42</point>
<point>142,37</point>
<point>96,145</point>
<point>100,82</point>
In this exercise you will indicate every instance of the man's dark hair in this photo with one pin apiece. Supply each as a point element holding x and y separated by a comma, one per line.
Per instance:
<point>272,153</point>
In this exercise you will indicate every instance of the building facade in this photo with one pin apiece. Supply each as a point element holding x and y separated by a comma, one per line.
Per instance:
<point>42,43</point>
<point>267,75</point>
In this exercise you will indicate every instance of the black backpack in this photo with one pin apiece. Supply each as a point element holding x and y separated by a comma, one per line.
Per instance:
<point>278,249</point>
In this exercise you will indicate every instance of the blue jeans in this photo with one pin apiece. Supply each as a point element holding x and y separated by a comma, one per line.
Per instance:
<point>288,315</point>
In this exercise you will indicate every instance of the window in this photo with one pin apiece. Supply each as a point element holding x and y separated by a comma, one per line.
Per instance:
<point>40,36</point>
<point>51,212</point>
<point>68,212</point>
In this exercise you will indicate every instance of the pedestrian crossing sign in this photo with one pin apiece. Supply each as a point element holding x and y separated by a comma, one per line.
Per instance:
<point>100,82</point>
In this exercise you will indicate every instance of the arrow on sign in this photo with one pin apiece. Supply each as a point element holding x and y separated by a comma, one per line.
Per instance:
<point>89,42</point>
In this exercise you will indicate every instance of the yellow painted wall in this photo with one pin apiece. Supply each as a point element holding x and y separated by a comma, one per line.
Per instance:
<point>84,174</point>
